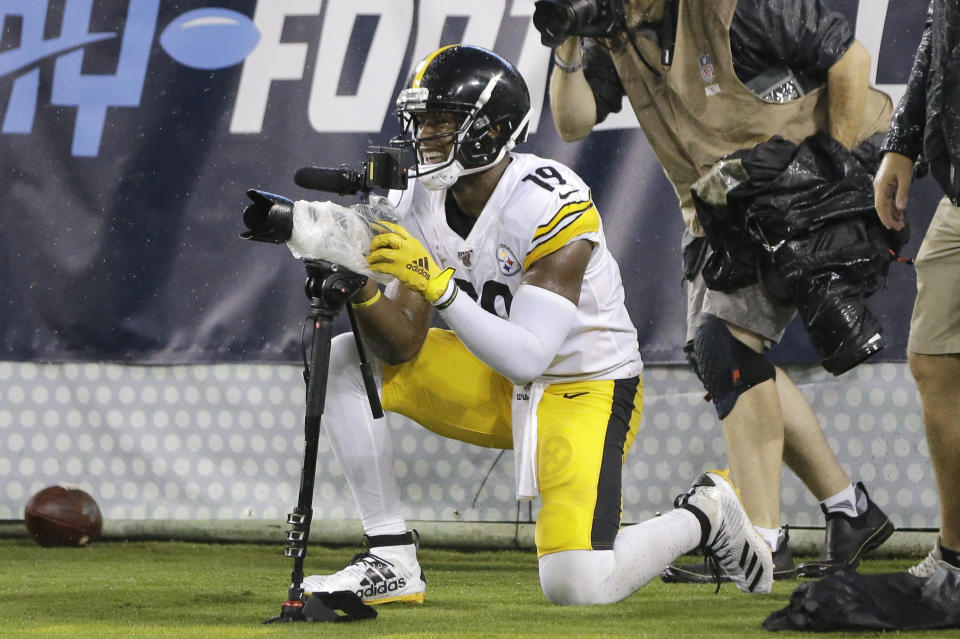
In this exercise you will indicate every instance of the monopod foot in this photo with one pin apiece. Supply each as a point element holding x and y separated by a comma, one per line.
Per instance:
<point>337,606</point>
<point>289,611</point>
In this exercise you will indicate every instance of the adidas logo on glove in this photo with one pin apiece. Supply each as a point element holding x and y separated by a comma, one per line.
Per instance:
<point>420,267</point>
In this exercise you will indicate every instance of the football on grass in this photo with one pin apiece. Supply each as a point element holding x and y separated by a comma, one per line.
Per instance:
<point>59,516</point>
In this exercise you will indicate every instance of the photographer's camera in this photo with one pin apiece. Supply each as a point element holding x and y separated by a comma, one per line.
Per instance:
<point>557,20</point>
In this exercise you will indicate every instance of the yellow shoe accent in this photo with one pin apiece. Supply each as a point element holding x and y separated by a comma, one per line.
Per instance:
<point>725,473</point>
<point>414,598</point>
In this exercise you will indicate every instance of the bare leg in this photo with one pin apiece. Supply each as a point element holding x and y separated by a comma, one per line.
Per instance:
<point>937,377</point>
<point>754,435</point>
<point>805,448</point>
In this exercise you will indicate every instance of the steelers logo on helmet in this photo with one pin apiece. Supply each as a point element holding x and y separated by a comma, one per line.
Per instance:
<point>473,107</point>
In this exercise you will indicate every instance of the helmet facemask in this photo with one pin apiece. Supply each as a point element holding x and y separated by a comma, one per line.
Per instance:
<point>477,144</point>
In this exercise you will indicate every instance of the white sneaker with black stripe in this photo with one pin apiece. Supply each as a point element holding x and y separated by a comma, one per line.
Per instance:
<point>387,572</point>
<point>727,534</point>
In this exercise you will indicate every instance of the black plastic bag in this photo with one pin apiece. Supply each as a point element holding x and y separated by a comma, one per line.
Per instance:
<point>893,601</point>
<point>800,220</point>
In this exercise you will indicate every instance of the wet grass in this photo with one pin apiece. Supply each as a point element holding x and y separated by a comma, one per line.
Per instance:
<point>196,591</point>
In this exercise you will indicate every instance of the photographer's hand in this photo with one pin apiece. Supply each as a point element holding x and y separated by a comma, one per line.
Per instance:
<point>398,253</point>
<point>891,189</point>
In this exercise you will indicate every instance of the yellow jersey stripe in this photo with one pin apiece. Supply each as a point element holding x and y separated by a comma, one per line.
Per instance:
<point>568,209</point>
<point>426,63</point>
<point>584,222</point>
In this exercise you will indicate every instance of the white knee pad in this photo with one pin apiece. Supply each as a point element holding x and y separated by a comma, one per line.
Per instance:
<point>576,577</point>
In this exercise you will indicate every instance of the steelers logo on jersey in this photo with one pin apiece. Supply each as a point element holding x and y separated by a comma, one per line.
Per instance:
<point>509,264</point>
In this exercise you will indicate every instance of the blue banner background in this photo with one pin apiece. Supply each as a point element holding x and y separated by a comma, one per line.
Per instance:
<point>125,171</point>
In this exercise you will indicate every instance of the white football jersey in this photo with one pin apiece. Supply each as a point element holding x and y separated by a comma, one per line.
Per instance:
<point>538,207</point>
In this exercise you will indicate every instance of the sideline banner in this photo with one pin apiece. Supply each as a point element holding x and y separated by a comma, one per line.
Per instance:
<point>131,130</point>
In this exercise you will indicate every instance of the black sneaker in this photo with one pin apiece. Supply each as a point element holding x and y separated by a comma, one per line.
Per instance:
<point>701,572</point>
<point>849,538</point>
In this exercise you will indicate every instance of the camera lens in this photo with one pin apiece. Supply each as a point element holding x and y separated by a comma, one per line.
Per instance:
<point>555,20</point>
<point>269,218</point>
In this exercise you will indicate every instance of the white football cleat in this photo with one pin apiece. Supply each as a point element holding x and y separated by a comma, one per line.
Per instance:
<point>383,574</point>
<point>727,534</point>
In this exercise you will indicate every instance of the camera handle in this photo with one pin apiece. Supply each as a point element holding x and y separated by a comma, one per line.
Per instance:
<point>329,286</point>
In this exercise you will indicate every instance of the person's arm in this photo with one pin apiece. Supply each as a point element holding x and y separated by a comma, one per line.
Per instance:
<point>903,141</point>
<point>541,315</point>
<point>803,35</point>
<point>816,43</point>
<point>848,84</point>
<point>395,323</point>
<point>909,119</point>
<point>571,99</point>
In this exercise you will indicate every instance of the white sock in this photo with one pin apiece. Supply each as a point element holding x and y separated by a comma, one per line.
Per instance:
<point>844,501</point>
<point>771,536</point>
<point>363,445</point>
<point>640,553</point>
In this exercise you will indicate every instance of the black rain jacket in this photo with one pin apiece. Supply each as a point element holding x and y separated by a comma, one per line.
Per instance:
<point>927,120</point>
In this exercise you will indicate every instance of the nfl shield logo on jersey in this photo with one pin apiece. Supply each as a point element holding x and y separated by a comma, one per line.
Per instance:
<point>509,264</point>
<point>706,67</point>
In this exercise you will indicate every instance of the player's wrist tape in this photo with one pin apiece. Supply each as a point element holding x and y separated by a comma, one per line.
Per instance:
<point>565,67</point>
<point>365,303</point>
<point>449,294</point>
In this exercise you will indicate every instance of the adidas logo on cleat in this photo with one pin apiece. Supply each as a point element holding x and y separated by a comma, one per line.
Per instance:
<point>753,572</point>
<point>386,587</point>
<point>374,579</point>
<point>378,580</point>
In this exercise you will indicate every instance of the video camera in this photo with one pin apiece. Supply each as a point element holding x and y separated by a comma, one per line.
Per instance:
<point>384,167</point>
<point>557,20</point>
<point>327,230</point>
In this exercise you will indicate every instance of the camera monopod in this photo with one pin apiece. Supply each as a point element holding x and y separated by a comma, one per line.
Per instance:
<point>329,287</point>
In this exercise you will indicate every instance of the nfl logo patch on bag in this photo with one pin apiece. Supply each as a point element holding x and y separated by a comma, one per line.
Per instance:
<point>706,67</point>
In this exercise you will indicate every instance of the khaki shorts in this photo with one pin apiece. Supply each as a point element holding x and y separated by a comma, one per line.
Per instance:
<point>935,326</point>
<point>585,431</point>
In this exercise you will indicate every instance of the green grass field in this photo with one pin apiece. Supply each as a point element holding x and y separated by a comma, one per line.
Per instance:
<point>183,590</point>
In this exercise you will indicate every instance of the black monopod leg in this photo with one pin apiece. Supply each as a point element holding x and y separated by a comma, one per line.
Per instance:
<point>328,286</point>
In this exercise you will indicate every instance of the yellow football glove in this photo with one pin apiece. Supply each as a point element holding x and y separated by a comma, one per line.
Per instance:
<point>398,253</point>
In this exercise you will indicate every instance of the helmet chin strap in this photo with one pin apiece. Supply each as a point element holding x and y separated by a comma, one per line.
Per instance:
<point>446,176</point>
<point>440,178</point>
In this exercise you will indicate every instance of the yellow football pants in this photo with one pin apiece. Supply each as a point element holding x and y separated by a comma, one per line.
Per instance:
<point>585,431</point>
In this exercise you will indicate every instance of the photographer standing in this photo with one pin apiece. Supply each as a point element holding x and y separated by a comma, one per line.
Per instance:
<point>542,357</point>
<point>927,121</point>
<point>927,124</point>
<point>708,79</point>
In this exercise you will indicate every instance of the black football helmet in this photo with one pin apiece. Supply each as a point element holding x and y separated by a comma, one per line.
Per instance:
<point>482,88</point>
